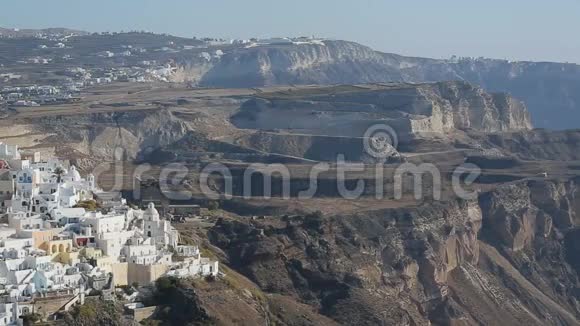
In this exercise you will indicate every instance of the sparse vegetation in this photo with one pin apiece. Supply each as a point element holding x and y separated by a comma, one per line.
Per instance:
<point>151,322</point>
<point>89,205</point>
<point>239,284</point>
<point>213,205</point>
<point>127,289</point>
<point>95,312</point>
<point>180,301</point>
<point>205,252</point>
<point>59,172</point>
<point>31,319</point>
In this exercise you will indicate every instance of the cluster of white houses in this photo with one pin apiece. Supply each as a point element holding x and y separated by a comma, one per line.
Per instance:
<point>50,245</point>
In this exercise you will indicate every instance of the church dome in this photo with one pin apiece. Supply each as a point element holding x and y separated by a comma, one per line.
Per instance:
<point>151,213</point>
<point>74,174</point>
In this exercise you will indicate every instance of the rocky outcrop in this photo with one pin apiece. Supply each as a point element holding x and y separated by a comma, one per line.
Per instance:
<point>334,62</point>
<point>472,108</point>
<point>511,255</point>
<point>317,148</point>
<point>100,135</point>
<point>321,123</point>
<point>96,133</point>
<point>398,259</point>
<point>548,89</point>
<point>539,85</point>
<point>517,214</point>
<point>409,109</point>
<point>538,144</point>
<point>533,224</point>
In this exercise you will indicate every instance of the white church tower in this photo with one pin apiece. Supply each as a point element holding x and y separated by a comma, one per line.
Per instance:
<point>159,230</point>
<point>92,183</point>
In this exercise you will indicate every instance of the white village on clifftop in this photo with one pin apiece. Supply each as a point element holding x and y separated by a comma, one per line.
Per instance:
<point>52,248</point>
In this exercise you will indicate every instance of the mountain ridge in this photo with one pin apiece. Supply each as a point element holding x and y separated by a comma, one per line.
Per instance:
<point>549,89</point>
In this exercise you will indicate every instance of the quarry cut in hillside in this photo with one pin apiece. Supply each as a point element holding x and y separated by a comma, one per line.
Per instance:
<point>547,88</point>
<point>409,109</point>
<point>297,123</point>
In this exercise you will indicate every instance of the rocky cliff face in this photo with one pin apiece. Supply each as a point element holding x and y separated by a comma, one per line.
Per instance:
<point>328,63</point>
<point>509,257</point>
<point>100,134</point>
<point>388,267</point>
<point>409,109</point>
<point>93,138</point>
<point>534,225</point>
<point>311,123</point>
<point>472,108</point>
<point>548,89</point>
<point>538,144</point>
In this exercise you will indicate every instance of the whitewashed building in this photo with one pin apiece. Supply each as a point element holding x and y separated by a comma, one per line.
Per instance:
<point>49,245</point>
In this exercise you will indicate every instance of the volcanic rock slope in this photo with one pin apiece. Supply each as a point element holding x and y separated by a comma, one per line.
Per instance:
<point>410,109</point>
<point>313,123</point>
<point>509,257</point>
<point>548,89</point>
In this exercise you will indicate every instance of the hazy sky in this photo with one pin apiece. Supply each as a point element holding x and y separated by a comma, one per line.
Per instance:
<point>510,29</point>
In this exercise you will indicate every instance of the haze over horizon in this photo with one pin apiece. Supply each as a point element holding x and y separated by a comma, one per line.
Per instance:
<point>543,31</point>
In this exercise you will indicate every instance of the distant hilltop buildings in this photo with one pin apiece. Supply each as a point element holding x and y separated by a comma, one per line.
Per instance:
<point>280,41</point>
<point>53,34</point>
<point>65,236</point>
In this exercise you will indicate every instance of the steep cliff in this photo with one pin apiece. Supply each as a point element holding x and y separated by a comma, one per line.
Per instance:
<point>303,123</point>
<point>538,144</point>
<point>389,267</point>
<point>409,109</point>
<point>337,62</point>
<point>98,136</point>
<point>508,258</point>
<point>548,89</point>
<point>534,225</point>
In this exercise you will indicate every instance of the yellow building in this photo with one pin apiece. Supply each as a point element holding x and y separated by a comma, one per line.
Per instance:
<point>129,273</point>
<point>54,247</point>
<point>91,253</point>
<point>105,263</point>
<point>120,274</point>
<point>145,274</point>
<point>42,236</point>
<point>70,258</point>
